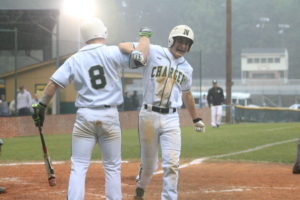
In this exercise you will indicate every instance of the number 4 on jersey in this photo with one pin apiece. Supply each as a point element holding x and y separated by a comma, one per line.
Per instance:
<point>97,77</point>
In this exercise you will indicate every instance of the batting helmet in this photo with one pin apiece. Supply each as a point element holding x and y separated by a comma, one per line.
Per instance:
<point>181,31</point>
<point>93,28</point>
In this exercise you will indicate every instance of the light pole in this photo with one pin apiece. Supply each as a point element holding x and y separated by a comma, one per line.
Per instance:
<point>261,25</point>
<point>282,29</point>
<point>200,65</point>
<point>228,60</point>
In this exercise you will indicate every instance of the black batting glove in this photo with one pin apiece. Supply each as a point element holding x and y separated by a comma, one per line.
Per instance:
<point>38,115</point>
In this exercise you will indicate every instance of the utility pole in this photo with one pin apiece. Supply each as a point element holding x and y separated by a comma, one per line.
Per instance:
<point>200,79</point>
<point>228,60</point>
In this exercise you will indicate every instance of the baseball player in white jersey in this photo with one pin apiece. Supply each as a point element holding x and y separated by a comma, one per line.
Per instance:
<point>94,71</point>
<point>167,80</point>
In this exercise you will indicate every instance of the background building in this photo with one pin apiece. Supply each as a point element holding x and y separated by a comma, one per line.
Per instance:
<point>264,64</point>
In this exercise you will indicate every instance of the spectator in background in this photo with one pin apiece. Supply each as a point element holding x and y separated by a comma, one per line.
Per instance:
<point>2,189</point>
<point>135,101</point>
<point>23,102</point>
<point>4,111</point>
<point>215,99</point>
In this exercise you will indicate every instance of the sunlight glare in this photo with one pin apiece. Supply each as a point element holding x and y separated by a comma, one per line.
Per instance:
<point>79,8</point>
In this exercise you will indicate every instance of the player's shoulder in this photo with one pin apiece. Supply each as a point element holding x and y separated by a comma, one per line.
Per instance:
<point>111,51</point>
<point>108,48</point>
<point>70,59</point>
<point>156,48</point>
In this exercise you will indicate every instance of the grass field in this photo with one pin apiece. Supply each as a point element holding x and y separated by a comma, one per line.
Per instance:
<point>217,141</point>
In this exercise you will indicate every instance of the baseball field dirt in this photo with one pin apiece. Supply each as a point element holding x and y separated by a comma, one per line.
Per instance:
<point>205,181</point>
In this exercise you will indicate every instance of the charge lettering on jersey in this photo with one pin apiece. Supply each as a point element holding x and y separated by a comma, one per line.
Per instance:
<point>164,71</point>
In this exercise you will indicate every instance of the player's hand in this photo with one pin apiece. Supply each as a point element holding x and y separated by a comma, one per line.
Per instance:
<point>199,126</point>
<point>38,115</point>
<point>137,58</point>
<point>145,31</point>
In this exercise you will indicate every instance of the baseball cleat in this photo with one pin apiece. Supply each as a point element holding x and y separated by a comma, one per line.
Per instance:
<point>139,193</point>
<point>296,168</point>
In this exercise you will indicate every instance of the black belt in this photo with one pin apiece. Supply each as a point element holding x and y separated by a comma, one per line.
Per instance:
<point>97,107</point>
<point>161,110</point>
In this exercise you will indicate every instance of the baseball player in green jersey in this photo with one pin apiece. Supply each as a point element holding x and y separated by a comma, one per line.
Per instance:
<point>167,78</point>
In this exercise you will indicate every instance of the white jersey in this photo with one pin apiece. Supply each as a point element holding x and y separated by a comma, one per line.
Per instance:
<point>24,99</point>
<point>95,72</point>
<point>165,78</point>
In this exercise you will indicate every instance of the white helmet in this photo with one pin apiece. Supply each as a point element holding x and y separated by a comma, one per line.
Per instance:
<point>93,28</point>
<point>181,31</point>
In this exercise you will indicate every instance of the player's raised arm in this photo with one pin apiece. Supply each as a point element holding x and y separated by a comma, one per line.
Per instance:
<point>138,54</point>
<point>189,102</point>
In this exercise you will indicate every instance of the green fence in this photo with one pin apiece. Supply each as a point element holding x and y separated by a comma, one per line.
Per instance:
<point>265,114</point>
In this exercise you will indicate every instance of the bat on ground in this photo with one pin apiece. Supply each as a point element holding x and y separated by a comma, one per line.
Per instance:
<point>47,160</point>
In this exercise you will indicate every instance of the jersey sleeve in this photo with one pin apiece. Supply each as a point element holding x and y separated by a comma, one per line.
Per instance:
<point>187,84</point>
<point>63,75</point>
<point>121,60</point>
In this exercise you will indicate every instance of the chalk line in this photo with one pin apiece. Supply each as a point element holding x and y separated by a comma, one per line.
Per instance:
<point>201,160</point>
<point>193,162</point>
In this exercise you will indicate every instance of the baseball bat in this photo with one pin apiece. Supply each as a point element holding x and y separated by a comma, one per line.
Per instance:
<point>47,160</point>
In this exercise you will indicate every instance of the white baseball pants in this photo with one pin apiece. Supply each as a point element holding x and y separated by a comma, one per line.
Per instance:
<point>160,131</point>
<point>92,126</point>
<point>216,115</point>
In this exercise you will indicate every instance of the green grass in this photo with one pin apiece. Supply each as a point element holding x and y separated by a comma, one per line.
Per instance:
<point>217,141</point>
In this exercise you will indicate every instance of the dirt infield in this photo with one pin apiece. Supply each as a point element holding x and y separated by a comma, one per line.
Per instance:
<point>206,181</point>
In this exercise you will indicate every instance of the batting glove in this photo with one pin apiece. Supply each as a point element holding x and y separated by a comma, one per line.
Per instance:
<point>136,59</point>
<point>199,125</point>
<point>38,114</point>
<point>145,31</point>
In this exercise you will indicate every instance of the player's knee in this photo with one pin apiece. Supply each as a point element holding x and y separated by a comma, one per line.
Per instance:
<point>170,168</point>
<point>78,163</point>
<point>149,170</point>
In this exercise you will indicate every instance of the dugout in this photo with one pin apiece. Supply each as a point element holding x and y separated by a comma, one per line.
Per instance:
<point>26,36</point>
<point>34,78</point>
<point>2,89</point>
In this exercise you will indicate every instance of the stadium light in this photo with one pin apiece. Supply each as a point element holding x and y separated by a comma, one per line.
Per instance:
<point>263,21</point>
<point>79,8</point>
<point>282,28</point>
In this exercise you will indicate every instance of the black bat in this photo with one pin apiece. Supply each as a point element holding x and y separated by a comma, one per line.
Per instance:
<point>47,160</point>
